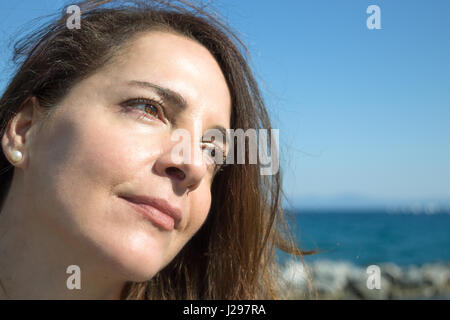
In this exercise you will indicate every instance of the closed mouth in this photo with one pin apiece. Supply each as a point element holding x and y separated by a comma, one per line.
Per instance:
<point>156,210</point>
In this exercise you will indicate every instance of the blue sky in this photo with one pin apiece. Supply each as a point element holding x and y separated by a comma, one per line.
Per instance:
<point>360,112</point>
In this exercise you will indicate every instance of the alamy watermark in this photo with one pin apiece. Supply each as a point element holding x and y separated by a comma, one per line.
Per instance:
<point>74,280</point>
<point>374,20</point>
<point>374,278</point>
<point>258,147</point>
<point>74,20</point>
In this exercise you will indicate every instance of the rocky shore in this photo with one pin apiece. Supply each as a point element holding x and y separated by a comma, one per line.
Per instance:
<point>343,280</point>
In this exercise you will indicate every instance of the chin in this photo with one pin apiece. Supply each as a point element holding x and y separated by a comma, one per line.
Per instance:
<point>138,259</point>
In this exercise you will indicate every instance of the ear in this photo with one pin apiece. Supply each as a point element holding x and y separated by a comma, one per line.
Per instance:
<point>20,129</point>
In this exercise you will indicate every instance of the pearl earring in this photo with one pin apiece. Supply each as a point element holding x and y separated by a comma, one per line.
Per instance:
<point>16,156</point>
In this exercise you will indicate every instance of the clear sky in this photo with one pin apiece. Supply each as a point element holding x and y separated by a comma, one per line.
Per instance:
<point>359,111</point>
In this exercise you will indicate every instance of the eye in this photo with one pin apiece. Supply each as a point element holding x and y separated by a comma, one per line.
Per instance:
<point>147,107</point>
<point>211,150</point>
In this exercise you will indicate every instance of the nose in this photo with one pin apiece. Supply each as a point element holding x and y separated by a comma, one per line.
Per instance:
<point>186,169</point>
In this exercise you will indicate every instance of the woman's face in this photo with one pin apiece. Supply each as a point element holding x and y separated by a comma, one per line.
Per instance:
<point>102,145</point>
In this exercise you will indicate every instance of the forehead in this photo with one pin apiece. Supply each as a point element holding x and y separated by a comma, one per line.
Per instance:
<point>177,63</point>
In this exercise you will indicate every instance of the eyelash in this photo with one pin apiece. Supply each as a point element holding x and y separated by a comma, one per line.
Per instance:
<point>139,101</point>
<point>159,106</point>
<point>217,166</point>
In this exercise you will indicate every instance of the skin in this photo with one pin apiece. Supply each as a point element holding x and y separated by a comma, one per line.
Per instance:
<point>64,206</point>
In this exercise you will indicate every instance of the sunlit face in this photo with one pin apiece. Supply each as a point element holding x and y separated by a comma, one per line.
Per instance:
<point>102,144</point>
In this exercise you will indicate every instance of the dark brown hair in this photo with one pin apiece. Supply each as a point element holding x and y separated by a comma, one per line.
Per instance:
<point>233,255</point>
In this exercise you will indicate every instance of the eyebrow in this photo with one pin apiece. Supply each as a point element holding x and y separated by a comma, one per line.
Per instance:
<point>176,99</point>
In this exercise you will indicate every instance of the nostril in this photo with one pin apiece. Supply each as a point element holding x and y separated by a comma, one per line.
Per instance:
<point>172,171</point>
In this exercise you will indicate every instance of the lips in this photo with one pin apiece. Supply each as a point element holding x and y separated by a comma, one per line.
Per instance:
<point>157,210</point>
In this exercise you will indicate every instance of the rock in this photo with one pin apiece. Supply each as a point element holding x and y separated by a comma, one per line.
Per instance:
<point>359,285</point>
<point>343,280</point>
<point>330,277</point>
<point>413,277</point>
<point>295,274</point>
<point>437,275</point>
<point>391,272</point>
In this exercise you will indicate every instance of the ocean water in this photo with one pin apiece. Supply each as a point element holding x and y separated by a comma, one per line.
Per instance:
<point>373,237</point>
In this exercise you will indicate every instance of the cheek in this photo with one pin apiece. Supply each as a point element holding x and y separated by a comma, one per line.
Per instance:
<point>94,156</point>
<point>78,163</point>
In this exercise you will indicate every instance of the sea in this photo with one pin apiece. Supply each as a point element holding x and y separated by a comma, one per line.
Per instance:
<point>365,237</point>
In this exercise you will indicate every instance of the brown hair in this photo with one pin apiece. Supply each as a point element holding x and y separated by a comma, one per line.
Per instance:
<point>233,255</point>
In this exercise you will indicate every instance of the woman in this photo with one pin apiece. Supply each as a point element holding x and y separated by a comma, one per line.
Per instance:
<point>88,173</point>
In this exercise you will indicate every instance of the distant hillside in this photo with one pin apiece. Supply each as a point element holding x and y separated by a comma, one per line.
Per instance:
<point>355,201</point>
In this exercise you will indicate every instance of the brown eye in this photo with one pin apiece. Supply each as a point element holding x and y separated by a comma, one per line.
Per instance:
<point>147,107</point>
<point>151,109</point>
